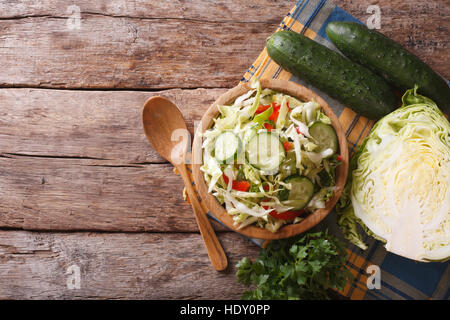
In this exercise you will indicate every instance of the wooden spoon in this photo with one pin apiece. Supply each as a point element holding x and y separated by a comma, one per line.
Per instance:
<point>164,125</point>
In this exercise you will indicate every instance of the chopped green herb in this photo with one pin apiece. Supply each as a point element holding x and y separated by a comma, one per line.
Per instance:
<point>302,268</point>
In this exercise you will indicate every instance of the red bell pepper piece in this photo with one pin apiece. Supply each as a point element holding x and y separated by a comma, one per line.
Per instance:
<point>288,145</point>
<point>261,108</point>
<point>276,112</point>
<point>225,178</point>
<point>237,185</point>
<point>268,126</point>
<point>240,185</point>
<point>287,215</point>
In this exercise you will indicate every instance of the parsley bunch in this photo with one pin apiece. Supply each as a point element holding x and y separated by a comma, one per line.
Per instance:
<point>303,267</point>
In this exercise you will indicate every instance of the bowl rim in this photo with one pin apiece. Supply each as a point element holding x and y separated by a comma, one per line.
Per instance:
<point>213,205</point>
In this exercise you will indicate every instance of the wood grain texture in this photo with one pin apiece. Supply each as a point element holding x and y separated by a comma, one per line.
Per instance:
<point>73,194</point>
<point>79,160</point>
<point>171,44</point>
<point>122,52</point>
<point>88,124</point>
<point>204,10</point>
<point>116,266</point>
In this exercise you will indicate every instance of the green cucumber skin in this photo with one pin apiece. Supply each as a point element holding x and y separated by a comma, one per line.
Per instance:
<point>388,59</point>
<point>353,85</point>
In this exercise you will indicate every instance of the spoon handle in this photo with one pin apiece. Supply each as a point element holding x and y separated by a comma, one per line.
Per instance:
<point>213,247</point>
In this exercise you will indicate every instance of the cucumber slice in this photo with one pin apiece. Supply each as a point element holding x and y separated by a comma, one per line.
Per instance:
<point>325,136</point>
<point>288,167</point>
<point>227,147</point>
<point>302,190</point>
<point>265,152</point>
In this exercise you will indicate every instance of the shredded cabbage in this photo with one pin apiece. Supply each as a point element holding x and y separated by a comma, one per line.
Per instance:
<point>281,121</point>
<point>258,204</point>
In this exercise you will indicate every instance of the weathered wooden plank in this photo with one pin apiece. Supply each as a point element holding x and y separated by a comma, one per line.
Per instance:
<point>167,44</point>
<point>127,52</point>
<point>87,124</point>
<point>116,266</point>
<point>81,194</point>
<point>79,160</point>
<point>221,11</point>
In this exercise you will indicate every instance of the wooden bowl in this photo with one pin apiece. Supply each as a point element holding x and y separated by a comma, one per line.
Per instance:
<point>218,210</point>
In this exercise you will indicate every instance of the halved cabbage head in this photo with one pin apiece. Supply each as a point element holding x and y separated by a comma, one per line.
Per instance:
<point>400,187</point>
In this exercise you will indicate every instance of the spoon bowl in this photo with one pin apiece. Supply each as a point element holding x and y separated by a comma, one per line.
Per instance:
<point>162,121</point>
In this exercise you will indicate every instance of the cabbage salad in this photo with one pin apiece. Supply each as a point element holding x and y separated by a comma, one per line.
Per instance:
<point>399,188</point>
<point>270,159</point>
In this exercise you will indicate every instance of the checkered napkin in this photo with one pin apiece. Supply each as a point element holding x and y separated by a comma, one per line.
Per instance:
<point>401,278</point>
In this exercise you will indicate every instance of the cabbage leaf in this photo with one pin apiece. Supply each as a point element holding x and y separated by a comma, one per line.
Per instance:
<point>399,183</point>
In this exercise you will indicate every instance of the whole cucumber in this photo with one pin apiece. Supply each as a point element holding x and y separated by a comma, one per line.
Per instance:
<point>348,82</point>
<point>388,59</point>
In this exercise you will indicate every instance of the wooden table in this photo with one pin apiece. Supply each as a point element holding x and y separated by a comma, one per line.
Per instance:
<point>80,188</point>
